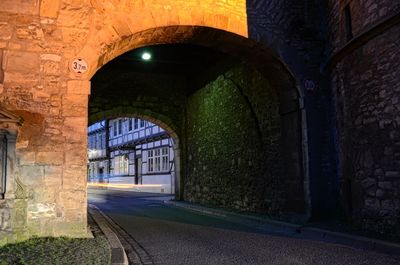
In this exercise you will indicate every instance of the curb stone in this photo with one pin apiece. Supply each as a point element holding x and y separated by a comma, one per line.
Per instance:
<point>302,231</point>
<point>353,240</point>
<point>118,255</point>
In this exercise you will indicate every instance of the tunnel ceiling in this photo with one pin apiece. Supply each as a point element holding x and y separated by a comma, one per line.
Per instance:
<point>196,65</point>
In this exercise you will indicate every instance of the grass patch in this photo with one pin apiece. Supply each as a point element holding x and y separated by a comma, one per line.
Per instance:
<point>57,251</point>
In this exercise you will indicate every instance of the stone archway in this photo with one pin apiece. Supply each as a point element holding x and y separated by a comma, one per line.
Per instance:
<point>154,118</point>
<point>295,198</point>
<point>38,83</point>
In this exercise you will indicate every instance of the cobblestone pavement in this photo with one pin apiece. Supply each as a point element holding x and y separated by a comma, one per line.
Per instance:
<point>169,235</point>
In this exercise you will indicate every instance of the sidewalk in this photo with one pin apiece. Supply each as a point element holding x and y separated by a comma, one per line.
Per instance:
<point>118,255</point>
<point>274,227</point>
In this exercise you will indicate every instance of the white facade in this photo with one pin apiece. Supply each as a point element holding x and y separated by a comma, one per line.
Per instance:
<point>98,162</point>
<point>138,152</point>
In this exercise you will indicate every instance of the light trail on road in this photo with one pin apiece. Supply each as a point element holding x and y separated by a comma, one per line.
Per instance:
<point>122,185</point>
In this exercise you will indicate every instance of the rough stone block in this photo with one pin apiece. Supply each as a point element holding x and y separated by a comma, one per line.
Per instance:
<point>74,178</point>
<point>75,129</point>
<point>53,176</point>
<point>392,174</point>
<point>50,68</point>
<point>50,158</point>
<point>45,196</point>
<point>24,80</point>
<point>26,158</point>
<point>76,157</point>
<point>72,199</point>
<point>79,87</point>
<point>5,213</point>
<point>50,57</point>
<point>122,27</point>
<point>22,62</point>
<point>76,215</point>
<point>41,210</point>
<point>74,105</point>
<point>32,31</point>
<point>29,7</point>
<point>78,229</point>
<point>31,175</point>
<point>1,68</point>
<point>5,31</point>
<point>49,8</point>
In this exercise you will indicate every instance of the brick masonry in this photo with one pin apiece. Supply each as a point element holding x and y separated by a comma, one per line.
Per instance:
<point>39,39</point>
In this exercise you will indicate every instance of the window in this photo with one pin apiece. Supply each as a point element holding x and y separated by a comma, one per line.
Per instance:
<point>115,128</point>
<point>112,166</point>
<point>165,159</point>
<point>158,160</point>
<point>347,21</point>
<point>93,142</point>
<point>136,124</point>
<point>141,123</point>
<point>130,121</point>
<point>98,141</point>
<point>103,140</point>
<point>150,161</point>
<point>119,127</point>
<point>121,165</point>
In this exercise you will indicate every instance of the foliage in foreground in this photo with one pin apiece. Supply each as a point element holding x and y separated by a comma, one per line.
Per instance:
<point>57,251</point>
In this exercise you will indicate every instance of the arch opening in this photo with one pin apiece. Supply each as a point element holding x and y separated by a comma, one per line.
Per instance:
<point>233,105</point>
<point>133,152</point>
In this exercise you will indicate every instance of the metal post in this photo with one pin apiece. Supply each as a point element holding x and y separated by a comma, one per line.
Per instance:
<point>3,167</point>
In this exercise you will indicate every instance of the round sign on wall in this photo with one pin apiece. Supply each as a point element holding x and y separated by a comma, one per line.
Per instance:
<point>79,66</point>
<point>309,85</point>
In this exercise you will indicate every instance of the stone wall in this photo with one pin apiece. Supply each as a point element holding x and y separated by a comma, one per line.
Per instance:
<point>13,197</point>
<point>296,30</point>
<point>234,145</point>
<point>50,160</point>
<point>365,85</point>
<point>39,40</point>
<point>364,15</point>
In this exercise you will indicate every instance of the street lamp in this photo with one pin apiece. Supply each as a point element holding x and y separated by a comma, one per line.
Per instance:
<point>146,56</point>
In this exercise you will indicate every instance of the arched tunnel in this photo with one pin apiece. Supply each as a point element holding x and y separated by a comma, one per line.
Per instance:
<point>238,119</point>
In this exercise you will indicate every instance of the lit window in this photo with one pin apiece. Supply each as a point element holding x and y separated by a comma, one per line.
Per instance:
<point>157,160</point>
<point>165,159</point>
<point>150,160</point>
<point>121,165</point>
<point>157,164</point>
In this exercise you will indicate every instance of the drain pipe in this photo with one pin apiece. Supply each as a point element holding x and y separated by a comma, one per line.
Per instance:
<point>3,167</point>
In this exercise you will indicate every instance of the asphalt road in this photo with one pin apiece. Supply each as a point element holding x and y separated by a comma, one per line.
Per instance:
<point>173,235</point>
